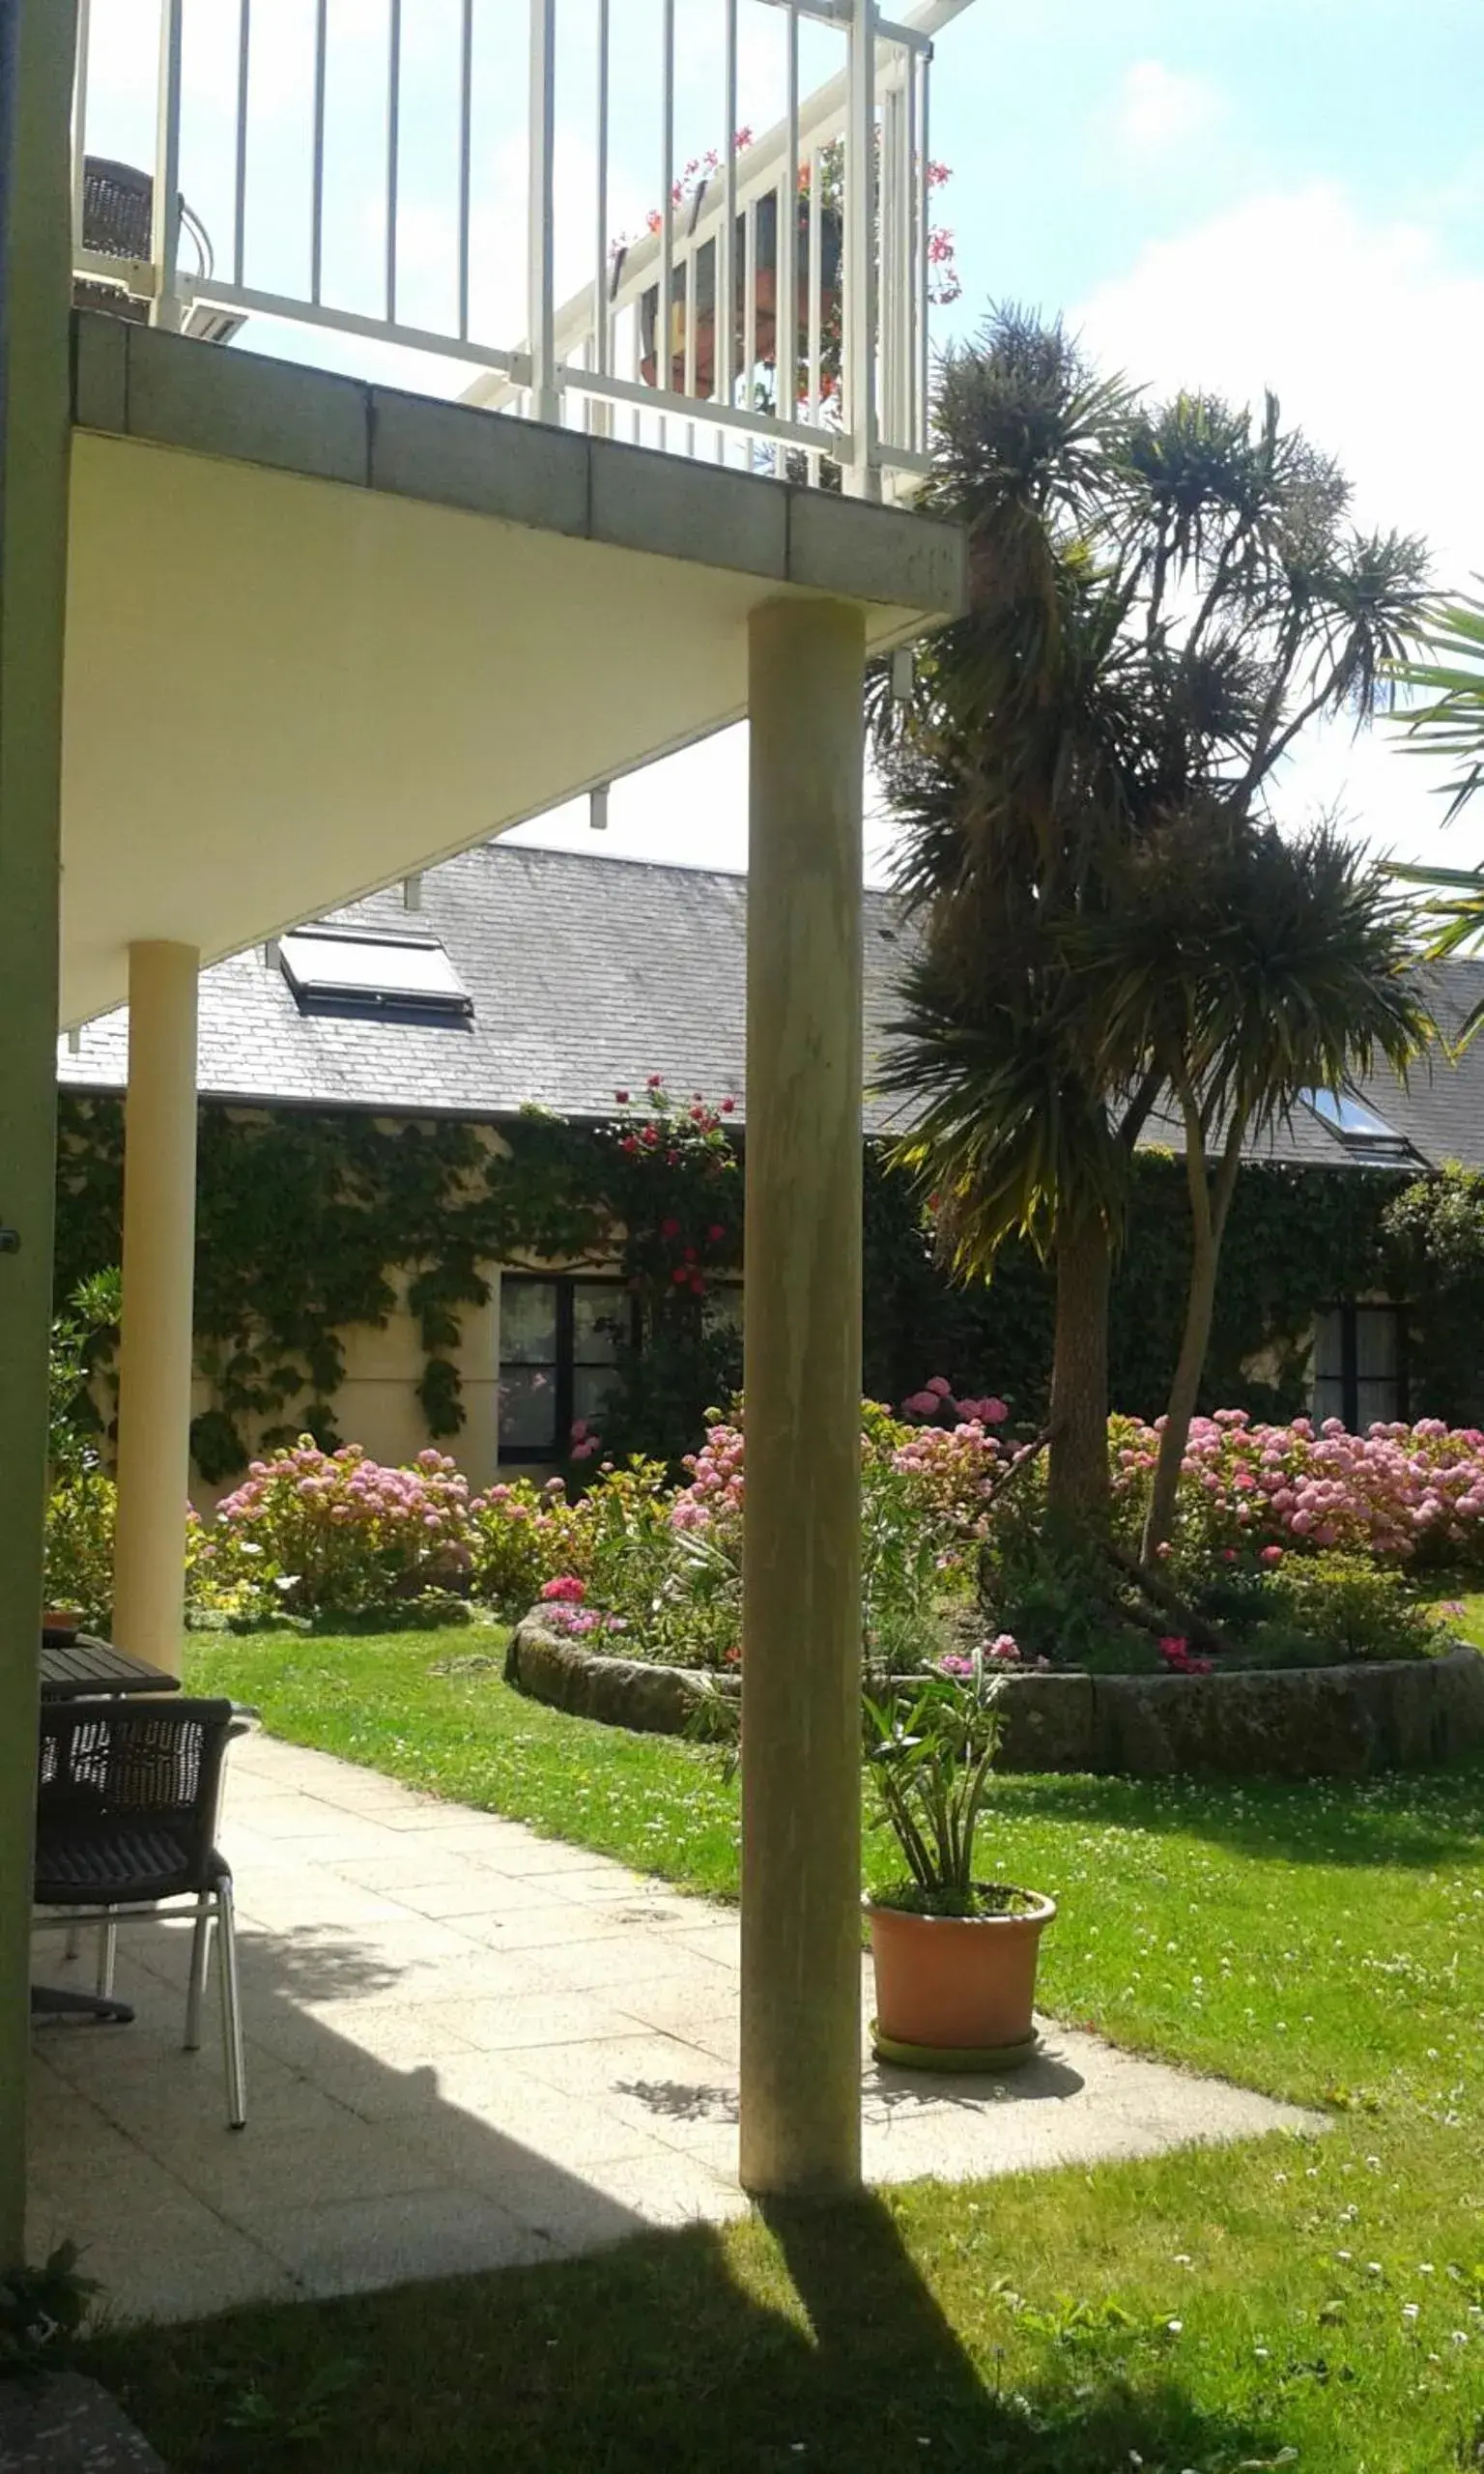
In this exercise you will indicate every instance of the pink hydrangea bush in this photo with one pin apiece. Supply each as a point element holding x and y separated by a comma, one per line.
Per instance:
<point>520,1537</point>
<point>925,1496</point>
<point>935,1405</point>
<point>1406,1494</point>
<point>347,1535</point>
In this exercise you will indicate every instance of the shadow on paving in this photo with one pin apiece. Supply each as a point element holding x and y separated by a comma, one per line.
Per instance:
<point>654,2360</point>
<point>353,2170</point>
<point>1412,1819</point>
<point>886,2092</point>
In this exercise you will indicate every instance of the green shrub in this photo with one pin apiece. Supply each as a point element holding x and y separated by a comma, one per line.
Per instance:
<point>79,1546</point>
<point>343,1533</point>
<point>1351,1608</point>
<point>519,1537</point>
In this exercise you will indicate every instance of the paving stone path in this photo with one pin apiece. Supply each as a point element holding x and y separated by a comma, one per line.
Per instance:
<point>469,2046</point>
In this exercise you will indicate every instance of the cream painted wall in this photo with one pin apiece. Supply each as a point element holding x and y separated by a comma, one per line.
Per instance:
<point>377,1404</point>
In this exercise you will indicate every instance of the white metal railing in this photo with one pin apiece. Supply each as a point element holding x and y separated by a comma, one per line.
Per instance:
<point>774,312</point>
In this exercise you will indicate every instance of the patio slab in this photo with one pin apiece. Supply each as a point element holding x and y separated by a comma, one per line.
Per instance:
<point>469,2046</point>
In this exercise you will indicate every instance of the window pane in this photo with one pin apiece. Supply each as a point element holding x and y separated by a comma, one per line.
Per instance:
<point>326,964</point>
<point>528,1408</point>
<point>1356,1124</point>
<point>1329,1351</point>
<point>1377,1342</point>
<point>527,1322</point>
<point>600,1319</point>
<point>592,1388</point>
<point>1378,1402</point>
<point>1329,1398</point>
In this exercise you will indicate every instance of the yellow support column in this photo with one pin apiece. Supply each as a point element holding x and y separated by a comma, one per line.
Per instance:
<point>154,1351</point>
<point>801,1662</point>
<point>36,65</point>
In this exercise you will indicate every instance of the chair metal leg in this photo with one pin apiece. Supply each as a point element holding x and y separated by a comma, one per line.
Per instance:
<point>73,1942</point>
<point>200,1960</point>
<point>231,2008</point>
<point>107,1954</point>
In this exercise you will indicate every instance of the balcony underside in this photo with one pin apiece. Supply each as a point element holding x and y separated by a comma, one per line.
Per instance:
<point>320,634</point>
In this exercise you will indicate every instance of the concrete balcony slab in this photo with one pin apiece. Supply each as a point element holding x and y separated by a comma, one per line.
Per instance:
<point>322,634</point>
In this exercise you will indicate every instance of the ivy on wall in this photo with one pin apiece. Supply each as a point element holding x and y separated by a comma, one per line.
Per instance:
<point>307,1219</point>
<point>1299,1239</point>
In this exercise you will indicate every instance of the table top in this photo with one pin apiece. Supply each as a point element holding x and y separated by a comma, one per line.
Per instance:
<point>72,1669</point>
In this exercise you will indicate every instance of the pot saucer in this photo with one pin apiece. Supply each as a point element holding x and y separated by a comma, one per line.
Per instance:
<point>949,2059</point>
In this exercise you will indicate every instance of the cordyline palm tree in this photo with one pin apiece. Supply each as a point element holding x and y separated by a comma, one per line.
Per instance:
<point>1242,970</point>
<point>1160,602</point>
<point>1452,725</point>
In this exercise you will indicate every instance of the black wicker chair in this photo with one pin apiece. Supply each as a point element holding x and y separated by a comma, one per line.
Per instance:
<point>128,1798</point>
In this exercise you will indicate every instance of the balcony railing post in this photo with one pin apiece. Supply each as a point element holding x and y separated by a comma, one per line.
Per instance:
<point>167,308</point>
<point>861,477</point>
<point>541,308</point>
<point>80,122</point>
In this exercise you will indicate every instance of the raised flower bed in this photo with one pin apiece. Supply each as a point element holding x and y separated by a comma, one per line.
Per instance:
<point>1304,1722</point>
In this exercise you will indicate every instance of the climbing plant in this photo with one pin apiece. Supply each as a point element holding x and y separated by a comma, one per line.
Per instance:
<point>311,1221</point>
<point>1299,1239</point>
<point>307,1220</point>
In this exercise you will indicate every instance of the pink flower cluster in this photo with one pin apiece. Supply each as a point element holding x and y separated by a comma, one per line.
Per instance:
<point>923,1491</point>
<point>1176,1654</point>
<point>344,1529</point>
<point>714,1496</point>
<point>1399,1492</point>
<point>345,1486</point>
<point>954,1470</point>
<point>565,1588</point>
<point>936,1402</point>
<point>578,1621</point>
<point>1003,1651</point>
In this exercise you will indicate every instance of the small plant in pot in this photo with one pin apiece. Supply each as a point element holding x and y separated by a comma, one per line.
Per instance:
<point>954,1956</point>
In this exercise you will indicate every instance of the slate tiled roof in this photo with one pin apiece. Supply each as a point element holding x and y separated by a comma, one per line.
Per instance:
<point>587,974</point>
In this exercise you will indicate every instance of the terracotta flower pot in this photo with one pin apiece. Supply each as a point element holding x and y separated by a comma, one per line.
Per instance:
<point>957,1992</point>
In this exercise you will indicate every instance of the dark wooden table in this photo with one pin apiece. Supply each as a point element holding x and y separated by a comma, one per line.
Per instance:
<point>77,1669</point>
<point>85,1668</point>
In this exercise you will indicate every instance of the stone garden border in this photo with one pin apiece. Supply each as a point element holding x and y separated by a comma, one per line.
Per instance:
<point>1292,1722</point>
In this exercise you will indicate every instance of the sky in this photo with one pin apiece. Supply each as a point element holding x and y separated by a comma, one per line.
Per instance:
<point>1235,195</point>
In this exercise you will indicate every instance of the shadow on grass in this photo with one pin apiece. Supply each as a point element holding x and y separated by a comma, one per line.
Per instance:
<point>1414,1820</point>
<point>810,2337</point>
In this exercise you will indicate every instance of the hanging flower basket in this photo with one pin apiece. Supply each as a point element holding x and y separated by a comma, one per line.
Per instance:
<point>831,250</point>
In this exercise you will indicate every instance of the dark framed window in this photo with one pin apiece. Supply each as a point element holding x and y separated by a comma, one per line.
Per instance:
<point>1360,1373</point>
<point>559,1339</point>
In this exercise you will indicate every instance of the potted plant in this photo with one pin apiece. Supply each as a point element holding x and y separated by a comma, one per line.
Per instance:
<point>954,1956</point>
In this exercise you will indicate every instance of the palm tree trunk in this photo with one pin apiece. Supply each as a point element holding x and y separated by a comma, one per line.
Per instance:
<point>1208,1216</point>
<point>1077,1466</point>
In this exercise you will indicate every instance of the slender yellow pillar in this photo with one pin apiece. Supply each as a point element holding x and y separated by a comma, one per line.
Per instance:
<point>159,1242</point>
<point>36,59</point>
<point>801,1723</point>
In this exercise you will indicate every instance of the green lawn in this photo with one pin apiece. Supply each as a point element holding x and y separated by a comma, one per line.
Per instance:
<point>1205,2312</point>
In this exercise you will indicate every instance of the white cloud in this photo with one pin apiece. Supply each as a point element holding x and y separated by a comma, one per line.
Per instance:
<point>1159,109</point>
<point>1374,344</point>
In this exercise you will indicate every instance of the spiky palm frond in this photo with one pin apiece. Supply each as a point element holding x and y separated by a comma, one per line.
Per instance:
<point>1251,967</point>
<point>1004,1127</point>
<point>1451,672</point>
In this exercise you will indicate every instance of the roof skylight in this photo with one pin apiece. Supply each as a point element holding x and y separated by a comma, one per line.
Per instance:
<point>400,978</point>
<point>1358,1127</point>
